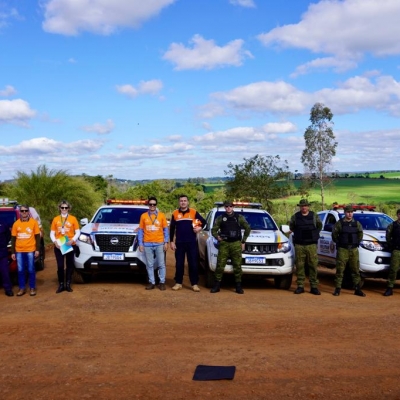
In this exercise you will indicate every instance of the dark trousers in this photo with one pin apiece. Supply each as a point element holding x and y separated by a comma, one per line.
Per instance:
<point>5,273</point>
<point>69,261</point>
<point>190,250</point>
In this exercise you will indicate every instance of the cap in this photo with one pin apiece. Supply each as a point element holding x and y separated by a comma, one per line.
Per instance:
<point>303,202</point>
<point>228,203</point>
<point>348,208</point>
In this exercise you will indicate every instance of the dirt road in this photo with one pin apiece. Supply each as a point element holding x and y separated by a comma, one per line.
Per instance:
<point>111,339</point>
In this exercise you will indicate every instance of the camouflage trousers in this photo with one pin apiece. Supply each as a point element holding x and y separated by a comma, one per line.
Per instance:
<point>350,256</point>
<point>232,250</point>
<point>306,254</point>
<point>394,267</point>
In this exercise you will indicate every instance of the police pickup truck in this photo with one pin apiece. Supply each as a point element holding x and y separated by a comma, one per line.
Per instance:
<point>268,252</point>
<point>373,251</point>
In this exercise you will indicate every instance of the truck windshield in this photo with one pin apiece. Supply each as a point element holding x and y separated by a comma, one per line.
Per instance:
<point>119,215</point>
<point>257,221</point>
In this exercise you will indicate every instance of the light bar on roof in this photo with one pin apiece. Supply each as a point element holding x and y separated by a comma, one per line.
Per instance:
<point>354,206</point>
<point>120,201</point>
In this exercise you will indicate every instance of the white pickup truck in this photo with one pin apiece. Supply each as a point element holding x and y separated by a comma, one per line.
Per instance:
<point>268,253</point>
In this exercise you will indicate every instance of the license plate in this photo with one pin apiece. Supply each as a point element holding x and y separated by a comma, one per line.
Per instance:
<point>255,260</point>
<point>113,257</point>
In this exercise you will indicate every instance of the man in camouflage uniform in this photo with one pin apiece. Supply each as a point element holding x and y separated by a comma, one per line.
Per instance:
<point>393,240</point>
<point>306,226</point>
<point>227,229</point>
<point>347,233</point>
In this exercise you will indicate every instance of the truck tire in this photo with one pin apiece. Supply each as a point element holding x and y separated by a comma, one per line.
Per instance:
<point>80,277</point>
<point>39,264</point>
<point>283,281</point>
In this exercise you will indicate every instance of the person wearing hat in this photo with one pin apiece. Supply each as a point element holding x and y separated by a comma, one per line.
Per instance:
<point>393,241</point>
<point>306,226</point>
<point>227,229</point>
<point>347,233</point>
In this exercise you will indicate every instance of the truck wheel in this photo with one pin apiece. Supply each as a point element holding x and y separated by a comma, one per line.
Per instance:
<point>39,265</point>
<point>283,282</point>
<point>209,275</point>
<point>79,277</point>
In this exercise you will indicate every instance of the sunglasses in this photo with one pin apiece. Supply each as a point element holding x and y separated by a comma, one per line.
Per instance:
<point>24,210</point>
<point>228,206</point>
<point>64,208</point>
<point>152,204</point>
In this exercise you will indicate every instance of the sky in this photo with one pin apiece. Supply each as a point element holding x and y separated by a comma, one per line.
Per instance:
<point>164,89</point>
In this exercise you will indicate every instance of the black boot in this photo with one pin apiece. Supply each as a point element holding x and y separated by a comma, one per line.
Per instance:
<point>239,289</point>
<point>61,287</point>
<point>336,292</point>
<point>216,287</point>
<point>388,292</point>
<point>358,291</point>
<point>60,275</point>
<point>68,281</point>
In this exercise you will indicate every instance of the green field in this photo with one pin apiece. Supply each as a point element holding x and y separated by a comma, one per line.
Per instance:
<point>387,175</point>
<point>360,190</point>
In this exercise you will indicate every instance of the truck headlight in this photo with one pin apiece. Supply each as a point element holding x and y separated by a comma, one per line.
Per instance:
<point>83,237</point>
<point>284,247</point>
<point>371,246</point>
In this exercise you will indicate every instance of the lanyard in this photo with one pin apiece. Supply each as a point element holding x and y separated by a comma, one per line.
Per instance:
<point>155,219</point>
<point>63,223</point>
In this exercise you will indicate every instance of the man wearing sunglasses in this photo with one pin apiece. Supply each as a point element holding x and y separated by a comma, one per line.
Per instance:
<point>25,244</point>
<point>153,238</point>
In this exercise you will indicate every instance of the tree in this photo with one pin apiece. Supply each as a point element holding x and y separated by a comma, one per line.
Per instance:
<point>45,188</point>
<point>320,146</point>
<point>258,179</point>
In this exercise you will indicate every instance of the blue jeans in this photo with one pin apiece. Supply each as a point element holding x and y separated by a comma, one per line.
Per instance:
<point>26,261</point>
<point>154,253</point>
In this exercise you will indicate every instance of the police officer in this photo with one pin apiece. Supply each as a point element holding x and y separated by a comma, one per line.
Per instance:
<point>347,234</point>
<point>393,240</point>
<point>227,229</point>
<point>306,226</point>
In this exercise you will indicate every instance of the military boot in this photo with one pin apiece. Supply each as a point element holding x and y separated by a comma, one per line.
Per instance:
<point>336,292</point>
<point>61,287</point>
<point>358,291</point>
<point>68,281</point>
<point>239,289</point>
<point>388,292</point>
<point>216,287</point>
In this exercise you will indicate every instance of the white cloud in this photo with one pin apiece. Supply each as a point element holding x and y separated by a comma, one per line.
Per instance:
<point>151,87</point>
<point>69,17</point>
<point>323,64</point>
<point>7,15</point>
<point>345,29</point>
<point>15,111</point>
<point>205,54</point>
<point>39,146</point>
<point>273,97</point>
<point>243,3</point>
<point>100,129</point>
<point>381,93</point>
<point>8,91</point>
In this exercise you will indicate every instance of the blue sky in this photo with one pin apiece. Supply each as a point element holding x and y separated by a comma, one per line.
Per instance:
<point>180,88</point>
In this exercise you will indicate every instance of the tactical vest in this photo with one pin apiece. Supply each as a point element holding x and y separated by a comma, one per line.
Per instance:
<point>396,236</point>
<point>348,237</point>
<point>305,231</point>
<point>230,228</point>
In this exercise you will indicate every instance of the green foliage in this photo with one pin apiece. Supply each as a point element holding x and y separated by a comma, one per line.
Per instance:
<point>258,179</point>
<point>45,188</point>
<point>320,146</point>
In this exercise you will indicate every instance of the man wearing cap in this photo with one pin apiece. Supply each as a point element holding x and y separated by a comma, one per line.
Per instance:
<point>393,241</point>
<point>227,229</point>
<point>347,233</point>
<point>306,226</point>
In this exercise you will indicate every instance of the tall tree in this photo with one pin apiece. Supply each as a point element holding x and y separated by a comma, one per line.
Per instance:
<point>320,146</point>
<point>260,178</point>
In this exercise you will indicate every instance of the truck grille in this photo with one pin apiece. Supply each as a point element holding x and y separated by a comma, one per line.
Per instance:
<point>110,243</point>
<point>253,248</point>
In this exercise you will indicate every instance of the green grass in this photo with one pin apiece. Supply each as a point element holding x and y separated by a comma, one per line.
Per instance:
<point>387,175</point>
<point>356,190</point>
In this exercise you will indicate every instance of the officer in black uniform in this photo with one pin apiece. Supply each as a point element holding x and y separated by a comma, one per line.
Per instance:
<point>347,234</point>
<point>227,230</point>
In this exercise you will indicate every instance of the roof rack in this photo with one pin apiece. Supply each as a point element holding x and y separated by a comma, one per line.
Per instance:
<point>242,204</point>
<point>121,201</point>
<point>6,202</point>
<point>355,207</point>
